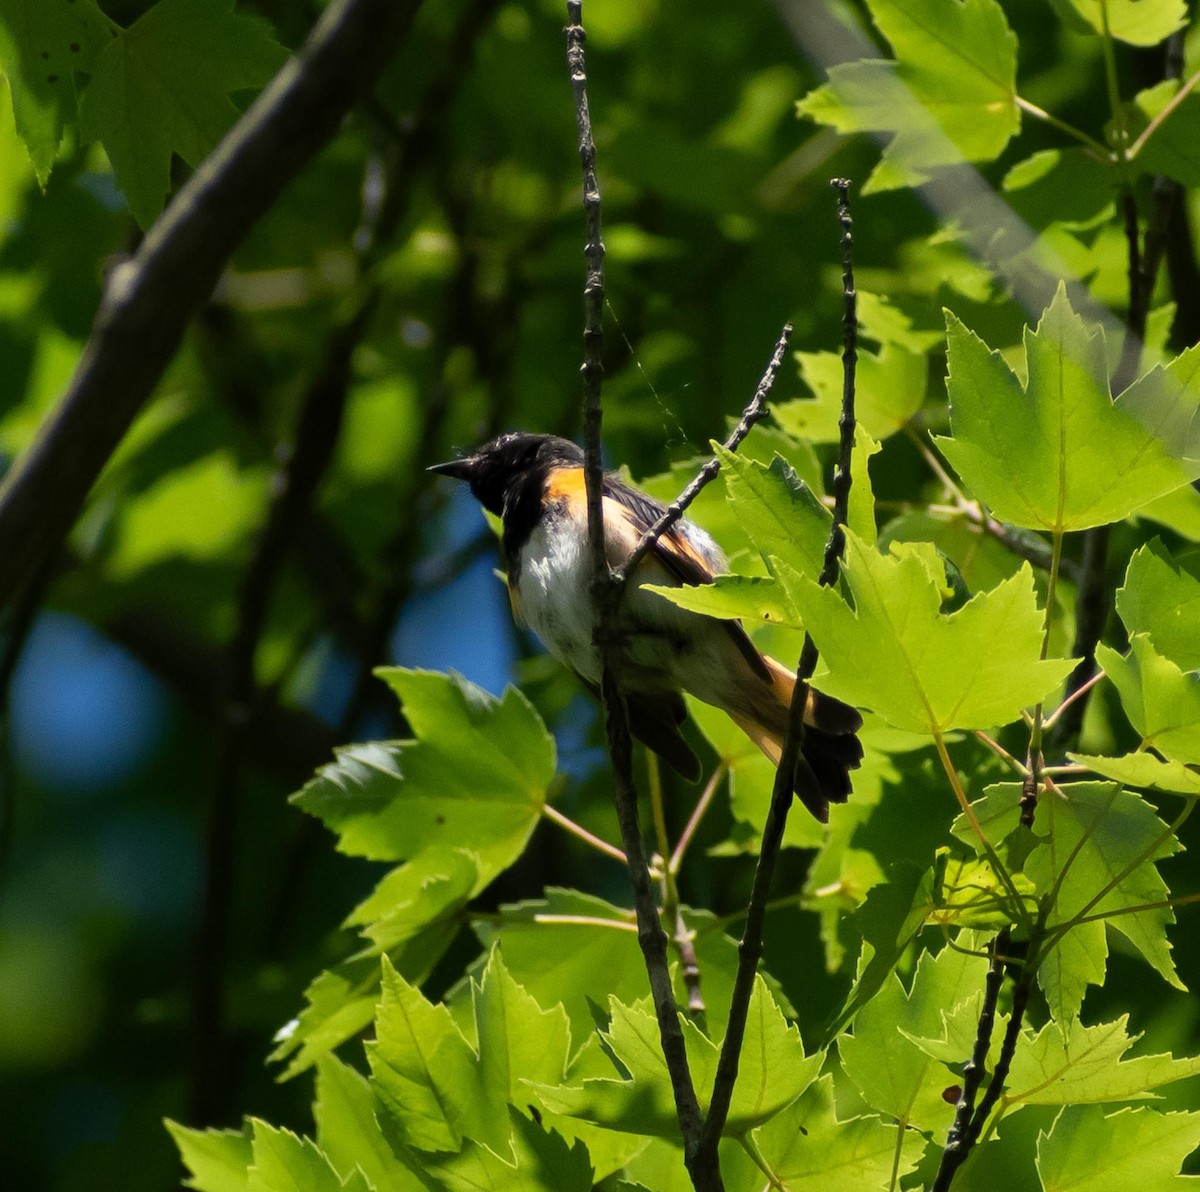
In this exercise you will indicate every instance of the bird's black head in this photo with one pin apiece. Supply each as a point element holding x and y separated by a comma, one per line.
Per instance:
<point>512,459</point>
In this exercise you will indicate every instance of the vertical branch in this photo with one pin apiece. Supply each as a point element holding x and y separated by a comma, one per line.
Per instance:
<point>750,946</point>
<point>605,594</point>
<point>957,1145</point>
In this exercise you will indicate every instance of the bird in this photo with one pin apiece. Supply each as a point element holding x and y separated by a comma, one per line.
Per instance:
<point>535,484</point>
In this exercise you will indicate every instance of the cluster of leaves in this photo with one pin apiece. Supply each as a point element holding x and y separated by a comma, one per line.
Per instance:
<point>511,1043</point>
<point>542,1068</point>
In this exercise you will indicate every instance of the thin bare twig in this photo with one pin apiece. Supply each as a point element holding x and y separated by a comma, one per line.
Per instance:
<point>750,947</point>
<point>605,594</point>
<point>755,412</point>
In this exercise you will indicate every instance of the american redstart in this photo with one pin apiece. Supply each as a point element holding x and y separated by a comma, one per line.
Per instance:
<point>535,484</point>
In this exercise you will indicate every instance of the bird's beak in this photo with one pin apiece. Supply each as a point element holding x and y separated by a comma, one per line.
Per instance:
<point>457,469</point>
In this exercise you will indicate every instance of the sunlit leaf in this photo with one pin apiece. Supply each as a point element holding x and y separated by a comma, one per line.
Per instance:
<point>1057,453</point>
<point>1139,22</point>
<point>1161,600</point>
<point>923,670</point>
<point>283,1161</point>
<point>1161,700</point>
<point>1077,1064</point>
<point>217,1160</point>
<point>1086,1151</point>
<point>950,95</point>
<point>349,1135</point>
<point>891,1072</point>
<point>475,777</point>
<point>807,1144</point>
<point>1145,771</point>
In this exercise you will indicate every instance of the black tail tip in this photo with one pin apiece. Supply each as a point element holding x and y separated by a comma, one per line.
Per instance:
<point>823,768</point>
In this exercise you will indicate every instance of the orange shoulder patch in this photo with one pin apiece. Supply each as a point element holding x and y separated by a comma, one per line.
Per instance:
<point>566,484</point>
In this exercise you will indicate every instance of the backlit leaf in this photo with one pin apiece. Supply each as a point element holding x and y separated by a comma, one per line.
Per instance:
<point>1056,453</point>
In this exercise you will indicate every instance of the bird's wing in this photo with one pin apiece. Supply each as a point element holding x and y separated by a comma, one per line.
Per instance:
<point>686,557</point>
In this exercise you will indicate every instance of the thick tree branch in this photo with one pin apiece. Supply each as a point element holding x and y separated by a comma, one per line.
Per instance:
<point>150,298</point>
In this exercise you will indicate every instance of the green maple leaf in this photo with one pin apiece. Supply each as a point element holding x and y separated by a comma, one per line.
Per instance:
<point>772,1073</point>
<point>923,670</point>
<point>475,778</point>
<point>808,1146</point>
<point>950,95</point>
<point>1139,22</point>
<point>888,1067</point>
<point>1086,1151</point>
<point>1161,600</point>
<point>1161,700</point>
<point>43,43</point>
<point>1145,771</point>
<point>348,1132</point>
<point>412,917</point>
<point>162,88</point>
<point>283,1160</point>
<point>217,1160</point>
<point>1076,1064</point>
<point>425,1073</point>
<point>890,387</point>
<point>1091,836</point>
<point>436,1088</point>
<point>783,517</point>
<point>1056,453</point>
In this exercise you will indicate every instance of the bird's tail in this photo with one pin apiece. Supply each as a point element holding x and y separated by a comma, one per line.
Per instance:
<point>831,746</point>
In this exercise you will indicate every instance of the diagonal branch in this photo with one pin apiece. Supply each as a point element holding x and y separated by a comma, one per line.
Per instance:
<point>755,412</point>
<point>750,947</point>
<point>150,298</point>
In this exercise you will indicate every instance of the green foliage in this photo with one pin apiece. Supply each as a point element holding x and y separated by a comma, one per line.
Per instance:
<point>161,87</point>
<point>972,668</point>
<point>481,1019</point>
<point>949,95</point>
<point>1058,453</point>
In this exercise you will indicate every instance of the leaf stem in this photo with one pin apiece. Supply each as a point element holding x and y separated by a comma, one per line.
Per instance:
<point>1032,109</point>
<point>1002,753</point>
<point>600,845</point>
<point>1157,122</point>
<point>1049,722</point>
<point>1018,906</point>
<point>698,812</point>
<point>680,934</point>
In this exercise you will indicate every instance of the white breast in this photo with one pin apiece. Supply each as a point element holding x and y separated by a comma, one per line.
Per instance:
<point>554,593</point>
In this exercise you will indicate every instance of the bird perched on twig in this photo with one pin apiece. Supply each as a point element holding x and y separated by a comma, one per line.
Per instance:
<point>535,484</point>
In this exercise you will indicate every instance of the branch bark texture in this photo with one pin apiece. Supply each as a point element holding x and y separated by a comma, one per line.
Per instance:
<point>149,299</point>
